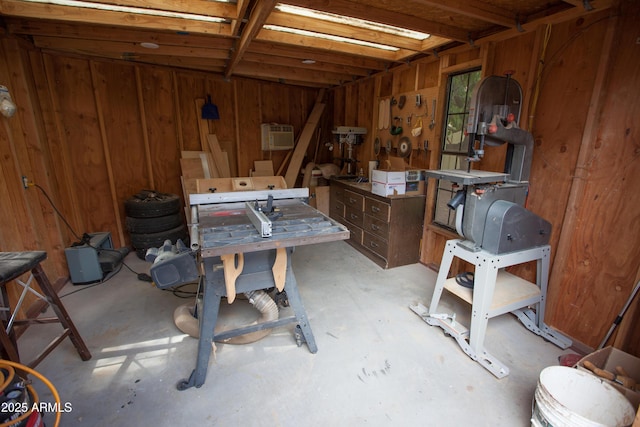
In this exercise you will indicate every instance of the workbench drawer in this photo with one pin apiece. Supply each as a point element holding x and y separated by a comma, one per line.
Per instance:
<point>377,209</point>
<point>353,200</point>
<point>375,244</point>
<point>376,226</point>
<point>355,233</point>
<point>337,193</point>
<point>337,209</point>
<point>354,216</point>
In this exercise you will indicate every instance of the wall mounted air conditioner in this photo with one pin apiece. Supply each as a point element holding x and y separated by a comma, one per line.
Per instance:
<point>276,137</point>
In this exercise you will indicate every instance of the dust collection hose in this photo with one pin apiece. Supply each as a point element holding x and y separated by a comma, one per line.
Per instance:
<point>184,318</point>
<point>6,380</point>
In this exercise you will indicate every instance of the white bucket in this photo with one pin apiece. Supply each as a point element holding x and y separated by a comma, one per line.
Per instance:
<point>570,397</point>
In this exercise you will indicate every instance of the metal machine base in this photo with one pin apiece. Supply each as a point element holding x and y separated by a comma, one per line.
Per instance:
<point>495,292</point>
<point>256,275</point>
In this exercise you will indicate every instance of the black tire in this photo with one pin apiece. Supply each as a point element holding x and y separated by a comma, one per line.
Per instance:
<point>141,253</point>
<point>155,240</point>
<point>153,225</point>
<point>151,204</point>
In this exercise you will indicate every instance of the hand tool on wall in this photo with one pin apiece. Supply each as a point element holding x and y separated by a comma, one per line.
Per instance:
<point>404,147</point>
<point>433,115</point>
<point>210,110</point>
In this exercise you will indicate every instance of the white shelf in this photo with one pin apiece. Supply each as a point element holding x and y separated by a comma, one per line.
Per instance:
<point>511,292</point>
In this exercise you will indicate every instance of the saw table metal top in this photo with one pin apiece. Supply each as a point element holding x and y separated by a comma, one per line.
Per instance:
<point>225,228</point>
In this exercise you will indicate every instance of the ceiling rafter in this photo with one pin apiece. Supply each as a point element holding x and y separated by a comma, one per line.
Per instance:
<point>241,46</point>
<point>296,63</point>
<point>196,7</point>
<point>259,15</point>
<point>63,43</point>
<point>329,45</point>
<point>475,9</point>
<point>106,33</point>
<point>342,30</point>
<point>241,10</point>
<point>383,16</point>
<point>291,51</point>
<point>104,17</point>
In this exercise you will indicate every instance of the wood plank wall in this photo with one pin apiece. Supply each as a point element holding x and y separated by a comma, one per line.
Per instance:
<point>584,163</point>
<point>94,132</point>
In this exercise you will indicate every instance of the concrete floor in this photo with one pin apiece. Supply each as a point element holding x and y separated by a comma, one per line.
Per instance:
<point>377,364</point>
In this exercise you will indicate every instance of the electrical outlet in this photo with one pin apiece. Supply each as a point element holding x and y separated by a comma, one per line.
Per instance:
<point>25,182</point>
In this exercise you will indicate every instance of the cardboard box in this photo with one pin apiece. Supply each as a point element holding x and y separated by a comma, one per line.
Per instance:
<point>415,182</point>
<point>388,177</point>
<point>415,188</point>
<point>608,358</point>
<point>383,189</point>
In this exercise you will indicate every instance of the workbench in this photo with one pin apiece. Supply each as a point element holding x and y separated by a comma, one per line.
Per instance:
<point>386,229</point>
<point>222,232</point>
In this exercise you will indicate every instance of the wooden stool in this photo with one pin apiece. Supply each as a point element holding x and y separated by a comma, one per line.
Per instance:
<point>12,266</point>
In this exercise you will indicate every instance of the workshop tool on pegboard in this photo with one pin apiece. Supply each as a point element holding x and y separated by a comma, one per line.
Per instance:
<point>618,319</point>
<point>404,147</point>
<point>433,115</point>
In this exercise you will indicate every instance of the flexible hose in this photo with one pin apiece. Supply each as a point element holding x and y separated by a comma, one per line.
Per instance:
<point>8,364</point>
<point>187,323</point>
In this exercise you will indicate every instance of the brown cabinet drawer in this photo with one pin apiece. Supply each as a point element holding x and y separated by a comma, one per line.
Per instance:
<point>354,216</point>
<point>375,244</point>
<point>377,209</point>
<point>337,193</point>
<point>353,200</point>
<point>337,209</point>
<point>355,233</point>
<point>376,226</point>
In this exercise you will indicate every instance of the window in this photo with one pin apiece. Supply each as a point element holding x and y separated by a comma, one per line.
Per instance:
<point>454,146</point>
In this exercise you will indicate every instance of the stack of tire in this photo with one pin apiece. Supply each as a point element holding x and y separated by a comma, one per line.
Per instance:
<point>152,218</point>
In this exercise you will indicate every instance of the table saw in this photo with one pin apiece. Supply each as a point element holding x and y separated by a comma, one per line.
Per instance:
<point>244,241</point>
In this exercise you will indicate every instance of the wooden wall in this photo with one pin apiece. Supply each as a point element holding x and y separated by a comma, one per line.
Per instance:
<point>91,133</point>
<point>580,88</point>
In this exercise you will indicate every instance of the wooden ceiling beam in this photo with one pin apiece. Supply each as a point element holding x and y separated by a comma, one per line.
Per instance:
<point>196,7</point>
<point>103,17</point>
<point>383,16</point>
<point>286,73</point>
<point>296,63</point>
<point>268,48</point>
<point>63,43</point>
<point>328,45</point>
<point>108,33</point>
<point>342,30</point>
<point>476,10</point>
<point>259,14</point>
<point>241,11</point>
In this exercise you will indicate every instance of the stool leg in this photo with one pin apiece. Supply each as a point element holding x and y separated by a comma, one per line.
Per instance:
<point>61,312</point>
<point>8,341</point>
<point>9,350</point>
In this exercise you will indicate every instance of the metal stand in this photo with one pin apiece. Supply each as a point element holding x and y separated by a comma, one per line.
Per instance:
<point>495,292</point>
<point>256,275</point>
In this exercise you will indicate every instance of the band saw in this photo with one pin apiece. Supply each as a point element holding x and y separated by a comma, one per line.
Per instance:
<point>490,212</point>
<point>497,230</point>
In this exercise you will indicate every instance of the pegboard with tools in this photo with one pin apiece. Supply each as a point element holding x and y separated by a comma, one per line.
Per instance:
<point>406,123</point>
